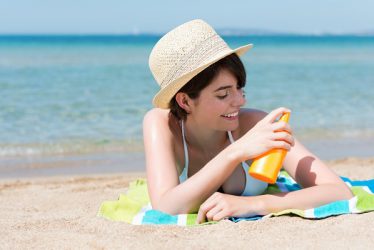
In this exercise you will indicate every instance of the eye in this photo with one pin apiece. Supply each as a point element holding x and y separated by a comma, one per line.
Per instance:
<point>223,96</point>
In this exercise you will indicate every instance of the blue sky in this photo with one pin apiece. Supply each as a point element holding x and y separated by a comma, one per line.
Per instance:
<point>122,16</point>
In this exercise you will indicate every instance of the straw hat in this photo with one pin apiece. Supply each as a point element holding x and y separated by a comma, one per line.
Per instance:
<point>183,53</point>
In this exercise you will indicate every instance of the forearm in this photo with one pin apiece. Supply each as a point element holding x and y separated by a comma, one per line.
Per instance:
<point>188,196</point>
<point>305,198</point>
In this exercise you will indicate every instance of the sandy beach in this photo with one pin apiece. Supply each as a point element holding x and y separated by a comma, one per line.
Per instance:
<point>60,213</point>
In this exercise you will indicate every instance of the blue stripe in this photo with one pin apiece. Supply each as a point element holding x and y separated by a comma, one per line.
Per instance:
<point>290,184</point>
<point>368,183</point>
<point>158,217</point>
<point>334,208</point>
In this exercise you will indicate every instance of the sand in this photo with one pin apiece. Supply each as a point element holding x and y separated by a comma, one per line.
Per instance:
<point>60,213</point>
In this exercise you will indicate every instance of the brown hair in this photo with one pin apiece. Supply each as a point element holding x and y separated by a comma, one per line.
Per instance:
<point>193,88</point>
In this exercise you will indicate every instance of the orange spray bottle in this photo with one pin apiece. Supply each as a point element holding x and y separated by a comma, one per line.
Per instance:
<point>266,166</point>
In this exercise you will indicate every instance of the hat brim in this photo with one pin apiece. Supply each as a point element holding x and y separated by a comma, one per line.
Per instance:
<point>164,96</point>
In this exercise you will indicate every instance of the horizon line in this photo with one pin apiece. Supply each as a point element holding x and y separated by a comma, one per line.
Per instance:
<point>156,34</point>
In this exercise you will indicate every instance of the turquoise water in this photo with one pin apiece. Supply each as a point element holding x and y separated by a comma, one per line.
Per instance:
<point>72,94</point>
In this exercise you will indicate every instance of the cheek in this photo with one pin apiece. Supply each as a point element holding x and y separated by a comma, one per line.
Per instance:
<point>216,109</point>
<point>220,105</point>
<point>211,106</point>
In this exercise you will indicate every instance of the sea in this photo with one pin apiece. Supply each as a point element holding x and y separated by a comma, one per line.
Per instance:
<point>84,97</point>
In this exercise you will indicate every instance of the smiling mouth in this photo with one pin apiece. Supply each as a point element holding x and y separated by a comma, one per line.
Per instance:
<point>231,115</point>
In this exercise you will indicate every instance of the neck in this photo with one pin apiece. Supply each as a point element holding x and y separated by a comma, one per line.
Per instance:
<point>204,139</point>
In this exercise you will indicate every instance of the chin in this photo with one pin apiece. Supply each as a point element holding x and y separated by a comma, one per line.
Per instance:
<point>234,125</point>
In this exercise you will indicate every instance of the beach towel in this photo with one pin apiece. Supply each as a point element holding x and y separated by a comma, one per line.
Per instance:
<point>134,206</point>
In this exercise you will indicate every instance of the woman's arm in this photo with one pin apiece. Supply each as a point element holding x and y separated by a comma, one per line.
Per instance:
<point>165,191</point>
<point>320,186</point>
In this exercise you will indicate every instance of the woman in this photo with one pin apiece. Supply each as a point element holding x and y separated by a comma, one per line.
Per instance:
<point>199,142</point>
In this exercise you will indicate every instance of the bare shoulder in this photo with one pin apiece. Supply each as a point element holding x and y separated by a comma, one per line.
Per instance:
<point>156,115</point>
<point>248,118</point>
<point>160,120</point>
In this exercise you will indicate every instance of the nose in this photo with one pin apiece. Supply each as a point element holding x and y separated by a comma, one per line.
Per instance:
<point>239,98</point>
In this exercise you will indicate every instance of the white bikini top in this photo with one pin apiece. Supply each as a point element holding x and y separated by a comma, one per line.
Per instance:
<point>252,186</point>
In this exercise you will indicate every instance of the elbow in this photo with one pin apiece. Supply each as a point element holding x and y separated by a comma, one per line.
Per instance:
<point>344,191</point>
<point>348,192</point>
<point>164,209</point>
<point>169,209</point>
<point>340,190</point>
<point>167,206</point>
<point>172,205</point>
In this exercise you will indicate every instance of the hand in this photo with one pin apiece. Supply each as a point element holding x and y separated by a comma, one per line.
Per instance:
<point>219,206</point>
<point>266,135</point>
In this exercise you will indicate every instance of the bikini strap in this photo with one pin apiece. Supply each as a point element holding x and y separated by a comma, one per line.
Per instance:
<point>230,137</point>
<point>185,149</point>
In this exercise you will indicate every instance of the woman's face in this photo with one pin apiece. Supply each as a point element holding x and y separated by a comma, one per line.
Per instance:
<point>219,103</point>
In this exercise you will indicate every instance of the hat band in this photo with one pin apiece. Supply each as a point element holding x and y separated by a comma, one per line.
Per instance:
<point>206,49</point>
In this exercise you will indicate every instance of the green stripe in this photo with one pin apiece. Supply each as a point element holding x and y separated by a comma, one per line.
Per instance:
<point>365,200</point>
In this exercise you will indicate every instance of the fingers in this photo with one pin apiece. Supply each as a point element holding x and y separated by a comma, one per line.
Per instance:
<point>273,115</point>
<point>211,214</point>
<point>201,215</point>
<point>220,215</point>
<point>281,126</point>
<point>205,208</point>
<point>212,209</point>
<point>284,136</point>
<point>281,145</point>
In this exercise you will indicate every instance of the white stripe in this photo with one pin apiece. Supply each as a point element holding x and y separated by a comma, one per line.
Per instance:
<point>267,216</point>
<point>138,219</point>
<point>309,213</point>
<point>348,184</point>
<point>352,205</point>
<point>367,189</point>
<point>182,220</point>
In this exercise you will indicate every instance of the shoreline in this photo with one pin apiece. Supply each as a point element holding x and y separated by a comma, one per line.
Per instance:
<point>104,162</point>
<point>86,167</point>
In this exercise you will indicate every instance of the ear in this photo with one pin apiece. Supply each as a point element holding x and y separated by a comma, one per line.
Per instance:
<point>184,101</point>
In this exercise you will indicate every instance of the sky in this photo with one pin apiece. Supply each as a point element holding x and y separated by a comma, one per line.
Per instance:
<point>140,16</point>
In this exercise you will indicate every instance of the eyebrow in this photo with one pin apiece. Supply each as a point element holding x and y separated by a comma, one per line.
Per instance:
<point>223,87</point>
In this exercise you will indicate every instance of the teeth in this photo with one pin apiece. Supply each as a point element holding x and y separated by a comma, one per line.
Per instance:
<point>232,114</point>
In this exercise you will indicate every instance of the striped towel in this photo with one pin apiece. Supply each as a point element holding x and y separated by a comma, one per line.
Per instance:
<point>134,206</point>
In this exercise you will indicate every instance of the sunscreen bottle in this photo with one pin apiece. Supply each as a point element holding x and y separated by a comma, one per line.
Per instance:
<point>266,166</point>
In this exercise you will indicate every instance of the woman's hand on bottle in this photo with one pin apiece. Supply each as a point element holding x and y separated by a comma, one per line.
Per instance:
<point>266,135</point>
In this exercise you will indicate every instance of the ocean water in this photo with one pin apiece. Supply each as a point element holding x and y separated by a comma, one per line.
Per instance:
<point>78,94</point>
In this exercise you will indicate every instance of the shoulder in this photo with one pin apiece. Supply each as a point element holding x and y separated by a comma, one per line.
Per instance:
<point>248,118</point>
<point>157,118</point>
<point>161,122</point>
<point>156,114</point>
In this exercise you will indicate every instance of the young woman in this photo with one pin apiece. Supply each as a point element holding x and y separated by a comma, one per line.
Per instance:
<point>199,141</point>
